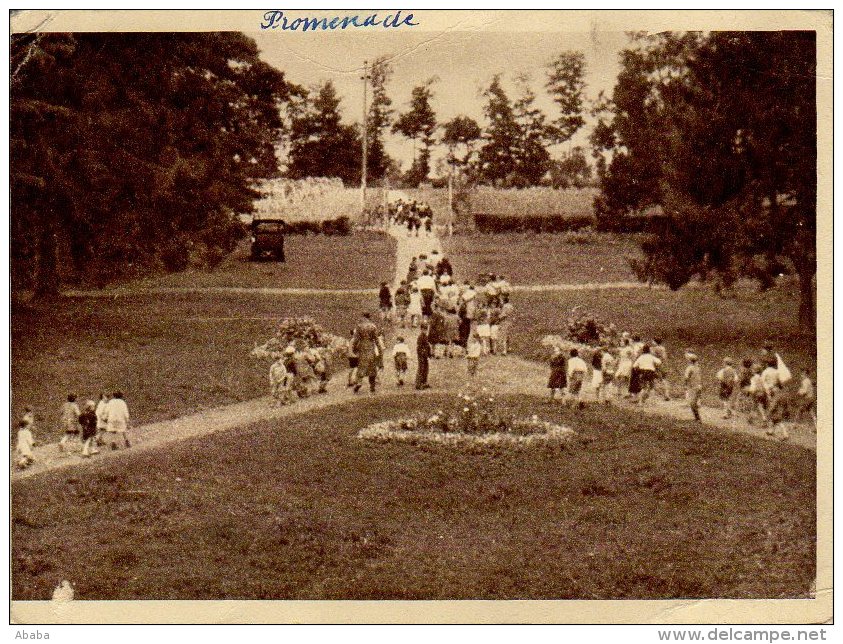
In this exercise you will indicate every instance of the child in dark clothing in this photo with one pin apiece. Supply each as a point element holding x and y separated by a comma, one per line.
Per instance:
<point>88,421</point>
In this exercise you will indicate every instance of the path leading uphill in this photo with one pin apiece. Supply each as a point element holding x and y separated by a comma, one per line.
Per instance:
<point>501,374</point>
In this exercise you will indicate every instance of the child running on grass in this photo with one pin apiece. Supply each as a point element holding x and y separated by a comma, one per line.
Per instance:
<point>400,357</point>
<point>727,378</point>
<point>693,385</point>
<point>69,421</point>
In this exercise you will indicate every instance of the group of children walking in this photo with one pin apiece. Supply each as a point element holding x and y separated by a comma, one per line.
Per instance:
<point>412,214</point>
<point>455,319</point>
<point>85,428</point>
<point>635,370</point>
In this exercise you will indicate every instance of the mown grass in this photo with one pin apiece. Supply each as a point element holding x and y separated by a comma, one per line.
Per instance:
<point>301,509</point>
<point>527,258</point>
<point>170,354</point>
<point>361,260</point>
<point>737,324</point>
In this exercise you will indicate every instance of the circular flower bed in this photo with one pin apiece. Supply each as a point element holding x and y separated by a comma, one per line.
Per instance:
<point>473,420</point>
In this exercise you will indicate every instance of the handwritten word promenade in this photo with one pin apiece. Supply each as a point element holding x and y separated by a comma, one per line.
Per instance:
<point>276,19</point>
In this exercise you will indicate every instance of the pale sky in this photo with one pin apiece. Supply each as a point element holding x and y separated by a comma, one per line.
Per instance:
<point>463,61</point>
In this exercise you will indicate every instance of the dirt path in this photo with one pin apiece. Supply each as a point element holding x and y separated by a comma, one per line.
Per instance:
<point>420,245</point>
<point>219,290</point>
<point>503,375</point>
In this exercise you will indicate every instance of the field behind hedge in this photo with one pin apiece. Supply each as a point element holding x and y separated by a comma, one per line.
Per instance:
<point>314,199</point>
<point>534,201</point>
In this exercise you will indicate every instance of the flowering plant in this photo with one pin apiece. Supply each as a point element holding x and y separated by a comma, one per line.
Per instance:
<point>303,333</point>
<point>586,328</point>
<point>584,332</point>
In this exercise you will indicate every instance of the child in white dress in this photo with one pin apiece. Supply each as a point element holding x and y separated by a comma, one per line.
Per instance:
<point>25,444</point>
<point>484,331</point>
<point>415,308</point>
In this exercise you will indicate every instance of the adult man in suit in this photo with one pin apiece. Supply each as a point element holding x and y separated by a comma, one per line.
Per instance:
<point>423,351</point>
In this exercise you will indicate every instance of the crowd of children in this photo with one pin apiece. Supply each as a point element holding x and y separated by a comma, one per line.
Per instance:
<point>299,372</point>
<point>457,319</point>
<point>635,370</point>
<point>412,214</point>
<point>85,428</point>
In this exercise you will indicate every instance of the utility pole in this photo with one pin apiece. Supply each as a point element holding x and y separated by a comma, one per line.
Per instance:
<point>450,194</point>
<point>365,79</point>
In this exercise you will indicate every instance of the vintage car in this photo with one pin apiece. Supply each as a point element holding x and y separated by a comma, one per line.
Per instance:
<point>268,238</point>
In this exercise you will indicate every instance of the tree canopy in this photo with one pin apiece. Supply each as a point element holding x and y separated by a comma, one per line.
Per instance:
<point>719,130</point>
<point>320,144</point>
<point>419,123</point>
<point>379,117</point>
<point>133,152</point>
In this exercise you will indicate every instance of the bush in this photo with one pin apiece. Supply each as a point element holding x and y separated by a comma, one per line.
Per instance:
<point>339,226</point>
<point>487,223</point>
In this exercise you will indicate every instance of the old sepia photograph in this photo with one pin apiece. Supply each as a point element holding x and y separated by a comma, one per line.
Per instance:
<point>392,305</point>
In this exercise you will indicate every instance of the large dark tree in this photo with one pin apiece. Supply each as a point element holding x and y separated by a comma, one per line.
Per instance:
<point>460,134</point>
<point>532,160</point>
<point>721,131</point>
<point>419,124</point>
<point>134,151</point>
<point>379,118</point>
<point>320,144</point>
<point>497,158</point>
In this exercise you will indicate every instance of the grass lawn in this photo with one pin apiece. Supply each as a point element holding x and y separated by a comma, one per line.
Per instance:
<point>641,508</point>
<point>361,260</point>
<point>736,325</point>
<point>543,258</point>
<point>170,354</point>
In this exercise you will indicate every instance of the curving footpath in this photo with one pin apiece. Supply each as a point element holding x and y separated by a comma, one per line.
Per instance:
<point>502,374</point>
